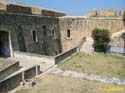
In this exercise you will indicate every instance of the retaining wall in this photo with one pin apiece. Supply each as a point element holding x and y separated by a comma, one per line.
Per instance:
<point>65,55</point>
<point>8,68</point>
<point>12,82</point>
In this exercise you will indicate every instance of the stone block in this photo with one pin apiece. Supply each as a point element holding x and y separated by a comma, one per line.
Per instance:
<point>107,12</point>
<point>92,13</point>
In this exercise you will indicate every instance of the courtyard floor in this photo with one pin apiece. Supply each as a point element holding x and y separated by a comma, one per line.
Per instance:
<point>98,64</point>
<point>53,83</point>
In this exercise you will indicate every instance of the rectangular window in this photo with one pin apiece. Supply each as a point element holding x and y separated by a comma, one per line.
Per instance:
<point>68,34</point>
<point>34,36</point>
<point>53,33</point>
<point>44,30</point>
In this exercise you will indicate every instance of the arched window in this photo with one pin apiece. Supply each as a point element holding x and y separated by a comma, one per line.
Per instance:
<point>68,33</point>
<point>34,36</point>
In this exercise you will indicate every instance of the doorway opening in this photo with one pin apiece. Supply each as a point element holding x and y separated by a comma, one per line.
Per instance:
<point>4,44</point>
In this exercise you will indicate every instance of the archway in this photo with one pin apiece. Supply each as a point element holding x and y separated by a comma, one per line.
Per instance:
<point>4,44</point>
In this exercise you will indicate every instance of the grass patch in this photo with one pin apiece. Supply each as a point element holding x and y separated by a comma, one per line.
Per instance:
<point>60,84</point>
<point>98,63</point>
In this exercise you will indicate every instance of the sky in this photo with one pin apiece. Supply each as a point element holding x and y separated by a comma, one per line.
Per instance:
<point>76,7</point>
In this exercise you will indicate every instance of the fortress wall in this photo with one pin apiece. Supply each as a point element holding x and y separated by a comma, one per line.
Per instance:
<point>51,13</point>
<point>109,12</point>
<point>12,8</point>
<point>51,32</point>
<point>36,10</point>
<point>82,27</point>
<point>21,27</point>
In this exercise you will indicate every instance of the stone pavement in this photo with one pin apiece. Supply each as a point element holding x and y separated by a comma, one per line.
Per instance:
<point>27,63</point>
<point>91,77</point>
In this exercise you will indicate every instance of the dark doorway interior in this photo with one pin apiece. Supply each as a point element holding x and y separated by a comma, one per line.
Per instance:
<point>4,44</point>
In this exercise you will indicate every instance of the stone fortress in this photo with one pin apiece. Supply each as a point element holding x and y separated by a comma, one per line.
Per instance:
<point>30,32</point>
<point>43,31</point>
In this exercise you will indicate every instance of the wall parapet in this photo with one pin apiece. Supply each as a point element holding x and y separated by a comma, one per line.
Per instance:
<point>65,55</point>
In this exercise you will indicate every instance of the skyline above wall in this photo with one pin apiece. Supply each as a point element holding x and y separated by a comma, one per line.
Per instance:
<point>75,7</point>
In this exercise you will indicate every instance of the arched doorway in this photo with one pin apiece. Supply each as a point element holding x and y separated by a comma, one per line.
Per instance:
<point>4,44</point>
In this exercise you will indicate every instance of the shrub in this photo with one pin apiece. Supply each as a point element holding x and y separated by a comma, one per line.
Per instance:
<point>101,39</point>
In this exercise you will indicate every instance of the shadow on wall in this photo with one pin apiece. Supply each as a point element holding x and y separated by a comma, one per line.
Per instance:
<point>58,41</point>
<point>22,45</point>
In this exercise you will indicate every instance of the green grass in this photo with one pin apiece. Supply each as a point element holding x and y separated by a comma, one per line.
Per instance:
<point>100,64</point>
<point>59,84</point>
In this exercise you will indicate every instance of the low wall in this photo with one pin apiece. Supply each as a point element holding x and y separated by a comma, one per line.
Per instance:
<point>30,73</point>
<point>36,57</point>
<point>8,68</point>
<point>65,55</point>
<point>15,80</point>
<point>10,83</point>
<point>115,49</point>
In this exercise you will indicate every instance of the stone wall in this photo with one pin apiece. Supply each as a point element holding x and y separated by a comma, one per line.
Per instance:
<point>12,8</point>
<point>108,12</point>
<point>20,28</point>
<point>81,27</point>
<point>92,13</point>
<point>65,55</point>
<point>15,80</point>
<point>10,83</point>
<point>51,13</point>
<point>28,9</point>
<point>8,68</point>
<point>36,10</point>
<point>52,32</point>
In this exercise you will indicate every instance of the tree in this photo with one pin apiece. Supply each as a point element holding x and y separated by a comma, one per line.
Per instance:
<point>101,39</point>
